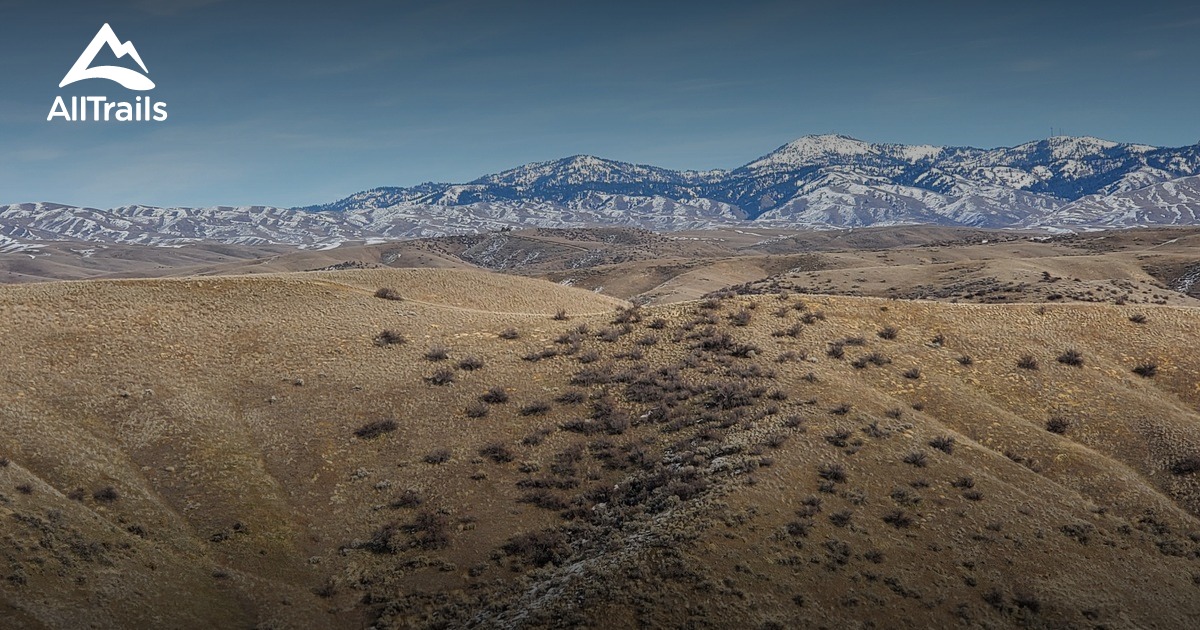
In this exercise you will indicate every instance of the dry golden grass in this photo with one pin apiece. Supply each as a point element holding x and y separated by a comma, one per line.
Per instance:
<point>224,411</point>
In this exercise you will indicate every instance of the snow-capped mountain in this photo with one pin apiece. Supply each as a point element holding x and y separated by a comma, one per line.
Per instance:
<point>823,181</point>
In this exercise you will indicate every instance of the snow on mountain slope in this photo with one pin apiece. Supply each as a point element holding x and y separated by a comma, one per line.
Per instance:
<point>819,181</point>
<point>1174,202</point>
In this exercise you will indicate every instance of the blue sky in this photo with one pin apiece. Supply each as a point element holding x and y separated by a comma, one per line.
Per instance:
<point>304,102</point>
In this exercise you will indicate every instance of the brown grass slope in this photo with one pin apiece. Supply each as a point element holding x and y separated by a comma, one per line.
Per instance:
<point>251,451</point>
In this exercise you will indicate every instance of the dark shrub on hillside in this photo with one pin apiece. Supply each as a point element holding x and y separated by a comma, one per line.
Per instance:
<point>386,293</point>
<point>509,333</point>
<point>1027,362</point>
<point>1138,318</point>
<point>966,360</point>
<point>740,318</point>
<point>888,332</point>
<point>375,429</point>
<point>497,452</point>
<point>440,456</point>
<point>561,315</point>
<point>1148,369</point>
<point>1071,357</point>
<point>535,408</point>
<point>912,373</point>
<point>440,377</point>
<point>538,548</point>
<point>107,494</point>
<point>494,396</point>
<point>1058,425</point>
<point>437,353</point>
<point>476,410</point>
<point>432,530</point>
<point>898,519</point>
<point>1186,466</point>
<point>389,337</point>
<point>944,443</point>
<point>470,364</point>
<point>832,472</point>
<point>917,458</point>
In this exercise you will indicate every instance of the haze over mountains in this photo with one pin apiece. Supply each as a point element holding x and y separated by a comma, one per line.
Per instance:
<point>825,181</point>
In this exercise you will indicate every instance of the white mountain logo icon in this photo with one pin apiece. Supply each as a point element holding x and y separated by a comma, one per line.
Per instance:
<point>129,78</point>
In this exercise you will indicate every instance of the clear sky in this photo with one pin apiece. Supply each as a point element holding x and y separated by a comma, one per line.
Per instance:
<point>296,103</point>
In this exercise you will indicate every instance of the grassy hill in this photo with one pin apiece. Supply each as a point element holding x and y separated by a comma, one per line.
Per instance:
<point>292,450</point>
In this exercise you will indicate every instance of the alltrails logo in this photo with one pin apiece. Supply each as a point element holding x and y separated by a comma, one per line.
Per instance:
<point>99,108</point>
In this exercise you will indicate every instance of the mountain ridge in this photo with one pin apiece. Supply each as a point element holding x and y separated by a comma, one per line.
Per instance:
<point>817,181</point>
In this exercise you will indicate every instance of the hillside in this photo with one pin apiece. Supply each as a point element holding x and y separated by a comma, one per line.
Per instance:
<point>256,451</point>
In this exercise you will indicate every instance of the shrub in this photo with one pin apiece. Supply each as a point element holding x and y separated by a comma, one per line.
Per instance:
<point>476,410</point>
<point>944,443</point>
<point>389,337</point>
<point>1071,357</point>
<point>912,373</point>
<point>4,462</point>
<point>497,452</point>
<point>24,488</point>
<point>494,396</point>
<point>439,456</point>
<point>1187,465</point>
<point>973,495</point>
<point>888,332</point>
<point>591,356</point>
<point>898,518</point>
<point>917,458</point>
<point>1027,362</point>
<point>966,361</point>
<point>839,437</point>
<point>561,315</point>
<point>877,359</point>
<point>437,353</point>
<point>432,529</point>
<point>537,548</point>
<point>544,499</point>
<point>407,499</point>
<point>535,408</point>
<point>470,364</point>
<point>1058,425</point>
<point>571,397</point>
<point>648,340</point>
<point>1148,369</point>
<point>509,333</point>
<point>837,350</point>
<point>963,482</point>
<point>832,472</point>
<point>740,317</point>
<point>372,430</point>
<point>386,293</point>
<point>1138,318</point>
<point>441,377</point>
<point>657,323</point>
<point>776,440</point>
<point>841,409</point>
<point>841,519</point>
<point>107,494</point>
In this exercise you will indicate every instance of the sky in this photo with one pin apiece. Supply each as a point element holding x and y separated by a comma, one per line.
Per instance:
<point>299,103</point>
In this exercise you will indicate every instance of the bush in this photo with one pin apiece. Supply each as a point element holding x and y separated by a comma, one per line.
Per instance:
<point>1148,369</point>
<point>390,337</point>
<point>107,494</point>
<point>494,396</point>
<point>372,430</point>
<point>837,350</point>
<point>1071,357</point>
<point>1027,362</point>
<point>440,377</point>
<point>898,519</point>
<point>963,482</point>
<point>386,293</point>
<point>476,410</point>
<point>842,518</point>
<point>470,364</point>
<point>943,443</point>
<point>4,462</point>
<point>571,397</point>
<point>888,332</point>
<point>740,318</point>
<point>1138,318</point>
<point>432,529</point>
<point>912,373</point>
<point>437,353</point>
<point>917,458</point>
<point>538,548</point>
<point>497,452</point>
<point>439,456</point>
<point>832,472</point>
<point>535,408</point>
<point>648,340</point>
<point>1187,465</point>
<point>561,315</point>
<point>509,333</point>
<point>841,409</point>
<point>1058,425</point>
<point>966,361</point>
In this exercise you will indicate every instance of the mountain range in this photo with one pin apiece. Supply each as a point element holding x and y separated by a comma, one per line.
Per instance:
<point>822,182</point>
